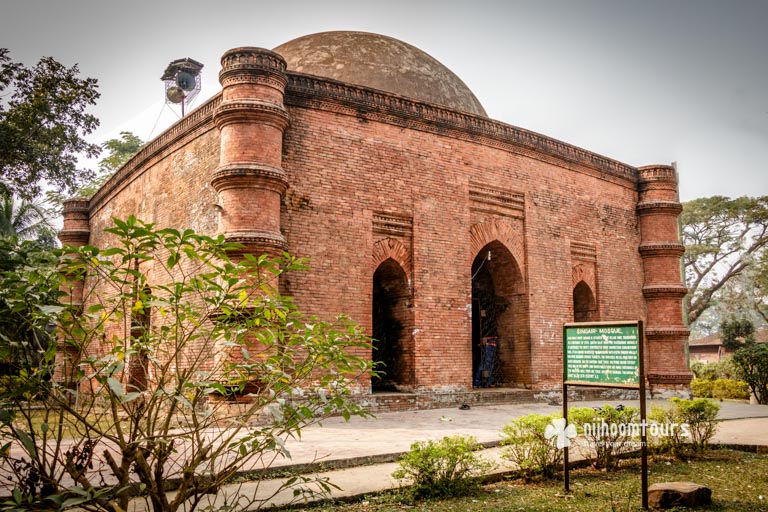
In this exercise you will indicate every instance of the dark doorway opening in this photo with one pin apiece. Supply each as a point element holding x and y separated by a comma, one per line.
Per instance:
<point>392,326</point>
<point>486,307</point>
<point>584,304</point>
<point>499,318</point>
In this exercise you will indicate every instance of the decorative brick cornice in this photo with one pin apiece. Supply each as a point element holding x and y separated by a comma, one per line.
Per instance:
<point>250,65</point>
<point>583,252</point>
<point>670,378</point>
<point>326,94</point>
<point>662,249</point>
<point>239,76</point>
<point>656,173</point>
<point>664,291</point>
<point>76,205</point>
<point>249,111</point>
<point>648,186</point>
<point>313,92</point>
<point>656,207</point>
<point>255,241</point>
<point>238,175</point>
<point>666,333</point>
<point>492,199</point>
<point>390,224</point>
<point>77,237</point>
<point>251,57</point>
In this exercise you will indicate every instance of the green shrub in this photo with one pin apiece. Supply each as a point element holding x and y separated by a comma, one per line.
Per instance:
<point>19,387</point>
<point>528,448</point>
<point>8,383</point>
<point>442,468</point>
<point>609,432</point>
<point>701,388</point>
<point>720,388</point>
<point>730,389</point>
<point>752,365</point>
<point>723,369</point>
<point>218,322</point>
<point>686,426</point>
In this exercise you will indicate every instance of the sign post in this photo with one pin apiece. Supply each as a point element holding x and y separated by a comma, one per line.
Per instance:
<point>610,355</point>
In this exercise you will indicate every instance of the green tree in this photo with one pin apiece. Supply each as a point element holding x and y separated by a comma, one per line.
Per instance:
<point>43,122</point>
<point>741,297</point>
<point>759,293</point>
<point>737,332</point>
<point>172,332</point>
<point>120,151</point>
<point>752,364</point>
<point>723,237</point>
<point>29,291</point>
<point>27,220</point>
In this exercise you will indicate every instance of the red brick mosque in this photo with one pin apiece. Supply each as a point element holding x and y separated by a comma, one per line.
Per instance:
<point>436,227</point>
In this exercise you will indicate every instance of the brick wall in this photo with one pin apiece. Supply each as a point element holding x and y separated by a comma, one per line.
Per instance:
<point>343,168</point>
<point>431,192</point>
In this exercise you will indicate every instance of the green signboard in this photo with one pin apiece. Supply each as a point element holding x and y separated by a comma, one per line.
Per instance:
<point>607,354</point>
<point>610,355</point>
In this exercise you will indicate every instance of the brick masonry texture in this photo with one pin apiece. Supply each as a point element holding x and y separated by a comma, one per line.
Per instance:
<point>361,178</point>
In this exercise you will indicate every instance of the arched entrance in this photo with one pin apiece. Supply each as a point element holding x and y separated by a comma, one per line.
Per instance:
<point>584,304</point>
<point>392,328</point>
<point>499,317</point>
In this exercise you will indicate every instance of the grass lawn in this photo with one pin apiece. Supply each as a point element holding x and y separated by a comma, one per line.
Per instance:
<point>739,483</point>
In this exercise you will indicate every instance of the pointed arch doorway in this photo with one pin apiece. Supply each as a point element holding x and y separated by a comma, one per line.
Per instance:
<point>499,318</point>
<point>392,329</point>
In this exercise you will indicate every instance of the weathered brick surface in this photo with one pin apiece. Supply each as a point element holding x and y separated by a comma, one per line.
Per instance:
<point>372,176</point>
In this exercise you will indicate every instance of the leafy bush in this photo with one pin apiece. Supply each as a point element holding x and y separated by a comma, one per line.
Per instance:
<point>752,365</point>
<point>442,468</point>
<point>730,389</point>
<point>170,324</point>
<point>723,369</point>
<point>688,425</point>
<point>721,389</point>
<point>527,447</point>
<point>701,388</point>
<point>700,415</point>
<point>609,432</point>
<point>14,384</point>
<point>29,291</point>
<point>9,382</point>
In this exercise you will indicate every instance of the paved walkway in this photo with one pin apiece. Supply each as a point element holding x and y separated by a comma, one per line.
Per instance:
<point>370,446</point>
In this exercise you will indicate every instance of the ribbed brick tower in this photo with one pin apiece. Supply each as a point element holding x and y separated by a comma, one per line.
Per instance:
<point>76,231</point>
<point>250,179</point>
<point>660,248</point>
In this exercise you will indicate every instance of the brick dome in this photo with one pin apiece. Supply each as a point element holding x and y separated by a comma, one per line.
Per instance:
<point>379,62</point>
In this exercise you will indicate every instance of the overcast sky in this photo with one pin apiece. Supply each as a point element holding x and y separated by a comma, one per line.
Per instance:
<point>644,82</point>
